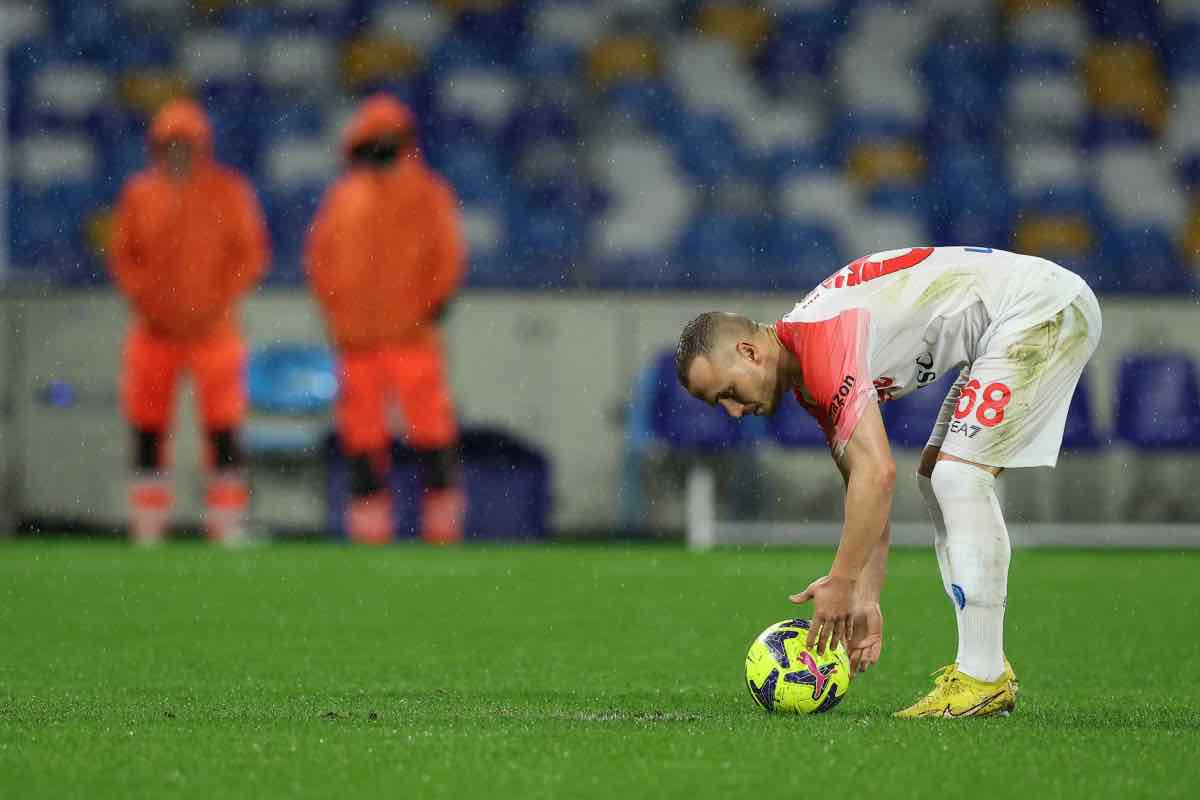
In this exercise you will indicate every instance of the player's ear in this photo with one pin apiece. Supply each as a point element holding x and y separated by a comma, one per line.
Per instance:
<point>750,351</point>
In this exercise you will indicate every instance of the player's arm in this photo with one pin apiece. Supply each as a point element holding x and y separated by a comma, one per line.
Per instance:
<point>870,474</point>
<point>250,249</point>
<point>859,566</point>
<point>450,259</point>
<point>125,259</point>
<point>865,641</point>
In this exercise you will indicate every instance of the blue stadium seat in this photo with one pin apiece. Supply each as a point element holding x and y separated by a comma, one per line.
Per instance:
<point>721,250</point>
<point>709,148</point>
<point>649,102</point>
<point>683,421</point>
<point>506,480</point>
<point>546,244</point>
<point>910,419</point>
<point>1149,262</point>
<point>1125,19</point>
<point>792,426</point>
<point>1158,402</point>
<point>1080,432</point>
<point>801,254</point>
<point>291,378</point>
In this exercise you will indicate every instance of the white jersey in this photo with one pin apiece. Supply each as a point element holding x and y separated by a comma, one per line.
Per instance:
<point>929,309</point>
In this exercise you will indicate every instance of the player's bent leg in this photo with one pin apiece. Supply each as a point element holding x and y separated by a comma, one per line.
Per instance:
<point>978,550</point>
<point>150,491</point>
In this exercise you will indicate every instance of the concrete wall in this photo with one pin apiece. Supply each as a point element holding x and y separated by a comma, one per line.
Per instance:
<point>554,368</point>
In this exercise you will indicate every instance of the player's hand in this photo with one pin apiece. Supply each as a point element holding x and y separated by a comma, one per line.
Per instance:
<point>866,639</point>
<point>832,622</point>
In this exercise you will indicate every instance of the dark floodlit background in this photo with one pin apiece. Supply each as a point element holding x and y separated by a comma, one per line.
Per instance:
<point>621,166</point>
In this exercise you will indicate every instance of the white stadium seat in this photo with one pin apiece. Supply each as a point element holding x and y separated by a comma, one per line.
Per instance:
<point>72,91</point>
<point>418,26</point>
<point>215,57</point>
<point>484,229</point>
<point>298,63</point>
<point>872,232</point>
<point>487,96</point>
<point>1038,166</point>
<point>1138,186</point>
<point>19,21</point>
<point>711,77</point>
<point>825,197</point>
<point>49,160</point>
<point>574,24</point>
<point>1046,102</point>
<point>300,162</point>
<point>1060,28</point>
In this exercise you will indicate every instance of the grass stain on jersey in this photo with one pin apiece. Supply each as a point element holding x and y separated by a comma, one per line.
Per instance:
<point>942,286</point>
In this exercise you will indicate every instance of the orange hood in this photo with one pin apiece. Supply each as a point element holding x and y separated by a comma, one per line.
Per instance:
<point>183,119</point>
<point>380,115</point>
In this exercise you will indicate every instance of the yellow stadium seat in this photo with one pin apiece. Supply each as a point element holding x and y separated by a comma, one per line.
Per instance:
<point>97,231</point>
<point>1012,9</point>
<point>459,6</point>
<point>622,58</point>
<point>744,26</point>
<point>144,91</point>
<point>1050,235</point>
<point>871,164</point>
<point>369,59</point>
<point>1190,243</point>
<point>1124,79</point>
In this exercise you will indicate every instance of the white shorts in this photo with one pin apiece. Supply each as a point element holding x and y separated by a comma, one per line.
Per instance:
<point>1009,408</point>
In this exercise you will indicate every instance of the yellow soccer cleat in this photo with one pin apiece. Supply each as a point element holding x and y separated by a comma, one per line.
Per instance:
<point>956,694</point>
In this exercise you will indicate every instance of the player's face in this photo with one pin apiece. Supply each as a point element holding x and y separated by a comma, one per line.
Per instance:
<point>177,157</point>
<point>738,378</point>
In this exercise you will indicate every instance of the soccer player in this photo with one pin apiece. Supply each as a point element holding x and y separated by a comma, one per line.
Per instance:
<point>1019,328</point>
<point>188,243</point>
<point>385,256</point>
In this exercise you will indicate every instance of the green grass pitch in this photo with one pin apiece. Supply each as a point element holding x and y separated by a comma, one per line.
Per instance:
<point>564,672</point>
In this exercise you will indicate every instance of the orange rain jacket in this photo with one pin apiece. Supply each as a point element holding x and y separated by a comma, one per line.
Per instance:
<point>183,252</point>
<point>385,251</point>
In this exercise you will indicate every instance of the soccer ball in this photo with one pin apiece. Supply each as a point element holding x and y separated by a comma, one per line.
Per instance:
<point>783,675</point>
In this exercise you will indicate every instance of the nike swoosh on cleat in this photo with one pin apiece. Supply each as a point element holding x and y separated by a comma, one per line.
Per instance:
<point>970,711</point>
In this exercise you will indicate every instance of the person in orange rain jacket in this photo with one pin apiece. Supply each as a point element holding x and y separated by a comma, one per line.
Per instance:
<point>385,255</point>
<point>188,242</point>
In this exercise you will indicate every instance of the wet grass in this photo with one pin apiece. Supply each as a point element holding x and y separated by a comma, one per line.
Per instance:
<point>313,670</point>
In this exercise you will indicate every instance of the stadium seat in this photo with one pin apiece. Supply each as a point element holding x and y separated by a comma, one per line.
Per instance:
<point>215,58</point>
<point>1080,433</point>
<point>1158,402</point>
<point>871,232</point>
<point>1139,188</point>
<point>685,422</point>
<point>719,248</point>
<point>910,419</point>
<point>746,27</point>
<point>507,483</point>
<point>623,57</point>
<point>791,426</point>
<point>291,378</point>
<point>487,97</point>
<point>298,63</point>
<point>1124,80</point>
<point>800,255</point>
<point>1046,104</point>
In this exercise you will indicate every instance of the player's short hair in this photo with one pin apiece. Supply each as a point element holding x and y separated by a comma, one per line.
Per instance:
<point>701,335</point>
